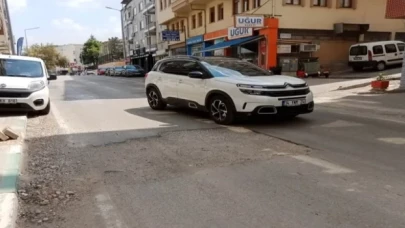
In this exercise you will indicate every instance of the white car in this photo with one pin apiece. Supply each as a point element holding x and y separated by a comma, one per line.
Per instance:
<point>225,87</point>
<point>24,84</point>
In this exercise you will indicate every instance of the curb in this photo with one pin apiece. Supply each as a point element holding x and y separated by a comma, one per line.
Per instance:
<point>10,160</point>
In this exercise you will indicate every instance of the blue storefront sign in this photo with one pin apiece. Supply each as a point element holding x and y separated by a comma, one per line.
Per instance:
<point>169,35</point>
<point>195,44</point>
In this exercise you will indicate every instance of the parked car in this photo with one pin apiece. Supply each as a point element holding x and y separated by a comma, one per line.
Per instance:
<point>108,71</point>
<point>225,87</point>
<point>101,71</point>
<point>133,70</point>
<point>376,54</point>
<point>24,84</point>
<point>117,71</point>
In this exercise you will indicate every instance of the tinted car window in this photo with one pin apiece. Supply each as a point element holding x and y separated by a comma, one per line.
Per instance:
<point>230,66</point>
<point>358,50</point>
<point>180,67</point>
<point>378,50</point>
<point>390,48</point>
<point>401,46</point>
<point>21,68</point>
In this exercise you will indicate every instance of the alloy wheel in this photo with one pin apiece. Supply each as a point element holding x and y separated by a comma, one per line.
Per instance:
<point>153,98</point>
<point>219,110</point>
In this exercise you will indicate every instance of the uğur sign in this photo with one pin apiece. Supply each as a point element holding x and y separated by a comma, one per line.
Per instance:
<point>236,33</point>
<point>249,21</point>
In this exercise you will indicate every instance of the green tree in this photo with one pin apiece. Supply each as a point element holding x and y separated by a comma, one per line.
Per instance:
<point>91,50</point>
<point>48,53</point>
<point>115,47</point>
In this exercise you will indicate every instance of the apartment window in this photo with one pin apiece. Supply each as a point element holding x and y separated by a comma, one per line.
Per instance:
<point>345,3</point>
<point>220,12</point>
<point>245,5</point>
<point>142,25</point>
<point>177,26</point>
<point>140,6</point>
<point>257,3</point>
<point>136,28</point>
<point>212,14</point>
<point>292,2</point>
<point>135,11</point>
<point>193,22</point>
<point>200,19</point>
<point>161,5</point>
<point>181,25</point>
<point>236,4</point>
<point>173,27</point>
<point>321,3</point>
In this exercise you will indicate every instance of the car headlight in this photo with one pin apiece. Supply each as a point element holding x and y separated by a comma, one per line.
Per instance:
<point>36,85</point>
<point>252,92</point>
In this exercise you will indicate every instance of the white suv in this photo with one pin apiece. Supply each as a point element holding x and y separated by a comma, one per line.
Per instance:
<point>225,87</point>
<point>24,84</point>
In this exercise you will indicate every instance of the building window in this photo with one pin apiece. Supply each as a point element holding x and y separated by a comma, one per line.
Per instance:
<point>220,11</point>
<point>345,3</point>
<point>257,3</point>
<point>169,2</point>
<point>165,4</point>
<point>177,26</point>
<point>161,5</point>
<point>292,2</point>
<point>193,22</point>
<point>200,19</point>
<point>321,3</point>
<point>136,28</point>
<point>212,14</point>
<point>181,25</point>
<point>245,5</point>
<point>173,27</point>
<point>142,25</point>
<point>235,8</point>
<point>140,6</point>
<point>135,12</point>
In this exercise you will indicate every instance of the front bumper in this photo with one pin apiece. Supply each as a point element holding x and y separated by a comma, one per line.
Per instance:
<point>36,101</point>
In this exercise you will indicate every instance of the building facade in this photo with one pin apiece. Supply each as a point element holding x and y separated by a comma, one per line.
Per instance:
<point>6,33</point>
<point>108,54</point>
<point>293,29</point>
<point>72,53</point>
<point>140,32</point>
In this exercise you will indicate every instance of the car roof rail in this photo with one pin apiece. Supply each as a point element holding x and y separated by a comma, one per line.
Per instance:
<point>182,57</point>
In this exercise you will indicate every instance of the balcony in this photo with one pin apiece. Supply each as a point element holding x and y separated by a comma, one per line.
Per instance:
<point>125,2</point>
<point>181,6</point>
<point>149,7</point>
<point>151,28</point>
<point>199,2</point>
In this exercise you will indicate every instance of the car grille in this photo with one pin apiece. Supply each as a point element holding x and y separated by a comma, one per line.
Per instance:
<point>15,94</point>
<point>287,93</point>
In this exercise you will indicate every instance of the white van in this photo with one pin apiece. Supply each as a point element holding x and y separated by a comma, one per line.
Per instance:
<point>376,54</point>
<point>24,84</point>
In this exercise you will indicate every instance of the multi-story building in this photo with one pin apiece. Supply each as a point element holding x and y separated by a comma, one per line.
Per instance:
<point>6,34</point>
<point>72,53</point>
<point>108,54</point>
<point>140,31</point>
<point>292,29</point>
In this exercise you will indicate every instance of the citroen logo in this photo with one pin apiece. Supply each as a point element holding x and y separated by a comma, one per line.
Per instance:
<point>287,84</point>
<point>3,85</point>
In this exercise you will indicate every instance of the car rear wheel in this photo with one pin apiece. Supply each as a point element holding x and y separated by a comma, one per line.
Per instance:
<point>155,99</point>
<point>221,110</point>
<point>380,66</point>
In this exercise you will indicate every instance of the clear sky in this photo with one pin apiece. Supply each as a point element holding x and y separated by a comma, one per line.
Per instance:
<point>65,21</point>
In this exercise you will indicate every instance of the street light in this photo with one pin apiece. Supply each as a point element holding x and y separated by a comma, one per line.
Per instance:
<point>122,29</point>
<point>25,32</point>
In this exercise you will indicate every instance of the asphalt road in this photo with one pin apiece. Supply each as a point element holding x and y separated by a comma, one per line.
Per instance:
<point>341,166</point>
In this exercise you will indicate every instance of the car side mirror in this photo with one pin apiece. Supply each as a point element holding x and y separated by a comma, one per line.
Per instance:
<point>196,74</point>
<point>52,77</point>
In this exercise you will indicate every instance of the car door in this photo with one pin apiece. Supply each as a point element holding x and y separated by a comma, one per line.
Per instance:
<point>167,79</point>
<point>401,50</point>
<point>191,89</point>
<point>391,54</point>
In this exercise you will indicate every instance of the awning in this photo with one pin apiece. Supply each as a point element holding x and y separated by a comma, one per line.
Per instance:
<point>230,43</point>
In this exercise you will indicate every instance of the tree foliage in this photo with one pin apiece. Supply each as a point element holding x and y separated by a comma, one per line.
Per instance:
<point>49,54</point>
<point>91,50</point>
<point>115,47</point>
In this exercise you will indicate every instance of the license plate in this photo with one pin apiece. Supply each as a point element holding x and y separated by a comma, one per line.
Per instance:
<point>8,101</point>
<point>297,102</point>
<point>358,58</point>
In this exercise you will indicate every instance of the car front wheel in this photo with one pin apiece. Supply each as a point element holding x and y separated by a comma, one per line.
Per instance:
<point>221,110</point>
<point>46,110</point>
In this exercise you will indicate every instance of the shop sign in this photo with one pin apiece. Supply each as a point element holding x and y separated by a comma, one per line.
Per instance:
<point>249,21</point>
<point>236,33</point>
<point>285,35</point>
<point>283,48</point>
<point>195,40</point>
<point>169,35</point>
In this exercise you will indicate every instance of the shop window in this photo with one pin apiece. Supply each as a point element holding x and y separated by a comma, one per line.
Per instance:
<point>220,11</point>
<point>256,3</point>
<point>292,2</point>
<point>401,47</point>
<point>390,48</point>
<point>236,9</point>
<point>212,14</point>
<point>320,3</point>
<point>345,4</point>
<point>378,50</point>
<point>245,5</point>
<point>193,22</point>
<point>200,19</point>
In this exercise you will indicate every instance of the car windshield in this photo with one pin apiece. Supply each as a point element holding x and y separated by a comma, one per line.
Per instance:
<point>358,50</point>
<point>233,67</point>
<point>21,68</point>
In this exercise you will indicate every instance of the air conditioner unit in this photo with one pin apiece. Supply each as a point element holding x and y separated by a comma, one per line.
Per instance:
<point>308,47</point>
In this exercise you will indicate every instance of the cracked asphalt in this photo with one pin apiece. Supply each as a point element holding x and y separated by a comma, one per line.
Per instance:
<point>104,159</point>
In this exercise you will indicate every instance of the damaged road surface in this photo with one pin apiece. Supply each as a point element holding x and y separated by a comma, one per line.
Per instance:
<point>128,167</point>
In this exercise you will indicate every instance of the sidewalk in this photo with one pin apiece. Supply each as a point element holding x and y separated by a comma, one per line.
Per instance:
<point>10,157</point>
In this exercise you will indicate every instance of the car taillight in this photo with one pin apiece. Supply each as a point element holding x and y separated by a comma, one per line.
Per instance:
<point>370,56</point>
